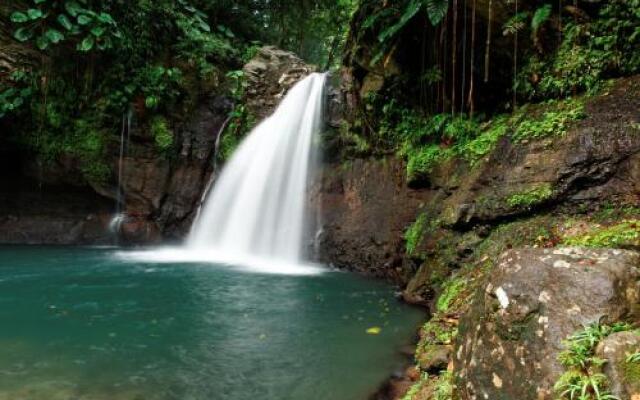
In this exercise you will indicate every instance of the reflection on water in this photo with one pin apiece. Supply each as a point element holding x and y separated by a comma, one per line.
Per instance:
<point>81,324</point>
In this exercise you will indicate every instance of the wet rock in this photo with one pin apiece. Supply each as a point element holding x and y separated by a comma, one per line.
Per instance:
<point>433,358</point>
<point>510,338</point>
<point>624,376</point>
<point>269,75</point>
<point>365,207</point>
<point>597,159</point>
<point>191,171</point>
<point>136,230</point>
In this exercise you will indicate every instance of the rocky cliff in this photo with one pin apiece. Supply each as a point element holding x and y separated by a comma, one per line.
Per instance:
<point>48,203</point>
<point>443,241</point>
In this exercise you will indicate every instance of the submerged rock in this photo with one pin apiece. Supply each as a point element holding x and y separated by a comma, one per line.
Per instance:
<point>512,334</point>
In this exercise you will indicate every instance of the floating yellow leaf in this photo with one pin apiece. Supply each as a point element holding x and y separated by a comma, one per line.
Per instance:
<point>374,330</point>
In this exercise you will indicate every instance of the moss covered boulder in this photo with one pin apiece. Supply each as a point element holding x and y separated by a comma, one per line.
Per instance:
<point>510,339</point>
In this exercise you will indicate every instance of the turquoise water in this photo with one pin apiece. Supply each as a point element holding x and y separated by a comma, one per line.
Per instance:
<point>78,323</point>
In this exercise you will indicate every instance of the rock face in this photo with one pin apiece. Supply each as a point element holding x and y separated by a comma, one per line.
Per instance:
<point>161,197</point>
<point>161,191</point>
<point>598,159</point>
<point>623,374</point>
<point>510,338</point>
<point>269,75</point>
<point>365,206</point>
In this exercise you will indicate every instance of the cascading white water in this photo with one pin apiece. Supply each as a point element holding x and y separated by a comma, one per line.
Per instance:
<point>257,206</point>
<point>254,215</point>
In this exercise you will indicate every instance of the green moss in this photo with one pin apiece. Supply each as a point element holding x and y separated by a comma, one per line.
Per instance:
<point>554,121</point>
<point>452,289</point>
<point>625,233</point>
<point>438,332</point>
<point>443,387</point>
<point>228,145</point>
<point>421,160</point>
<point>439,387</point>
<point>241,122</point>
<point>610,212</point>
<point>414,233</point>
<point>482,145</point>
<point>162,134</point>
<point>415,389</point>
<point>530,197</point>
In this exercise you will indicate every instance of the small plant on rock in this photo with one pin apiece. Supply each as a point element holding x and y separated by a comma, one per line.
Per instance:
<point>584,379</point>
<point>530,197</point>
<point>413,234</point>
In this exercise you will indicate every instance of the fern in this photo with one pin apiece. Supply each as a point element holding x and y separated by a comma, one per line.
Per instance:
<point>515,24</point>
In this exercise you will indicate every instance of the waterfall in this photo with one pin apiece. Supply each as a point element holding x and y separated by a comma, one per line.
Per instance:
<point>119,216</point>
<point>253,216</point>
<point>214,170</point>
<point>256,209</point>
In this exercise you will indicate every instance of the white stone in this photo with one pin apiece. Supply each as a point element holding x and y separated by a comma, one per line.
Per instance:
<point>502,297</point>
<point>561,264</point>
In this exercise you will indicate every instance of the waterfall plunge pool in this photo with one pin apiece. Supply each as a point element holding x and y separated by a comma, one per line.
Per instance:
<point>86,324</point>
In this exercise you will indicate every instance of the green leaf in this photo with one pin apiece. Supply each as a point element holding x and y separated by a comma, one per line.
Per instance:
<point>84,19</point>
<point>97,31</point>
<point>72,8</point>
<point>106,18</point>
<point>436,10</point>
<point>86,44</point>
<point>39,1</point>
<point>204,26</point>
<point>22,34</point>
<point>65,22</point>
<point>34,13</point>
<point>411,10</point>
<point>151,101</point>
<point>19,17</point>
<point>42,42</point>
<point>54,36</point>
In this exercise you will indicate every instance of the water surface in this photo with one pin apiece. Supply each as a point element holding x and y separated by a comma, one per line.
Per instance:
<point>80,323</point>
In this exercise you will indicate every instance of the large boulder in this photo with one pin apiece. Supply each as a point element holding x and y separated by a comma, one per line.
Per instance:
<point>511,336</point>
<point>269,75</point>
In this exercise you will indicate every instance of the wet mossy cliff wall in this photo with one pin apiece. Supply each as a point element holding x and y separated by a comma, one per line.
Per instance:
<point>51,201</point>
<point>515,236</point>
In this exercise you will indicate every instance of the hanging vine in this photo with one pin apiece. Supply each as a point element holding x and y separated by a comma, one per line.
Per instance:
<point>464,58</point>
<point>471,64</point>
<point>487,52</point>
<point>454,51</point>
